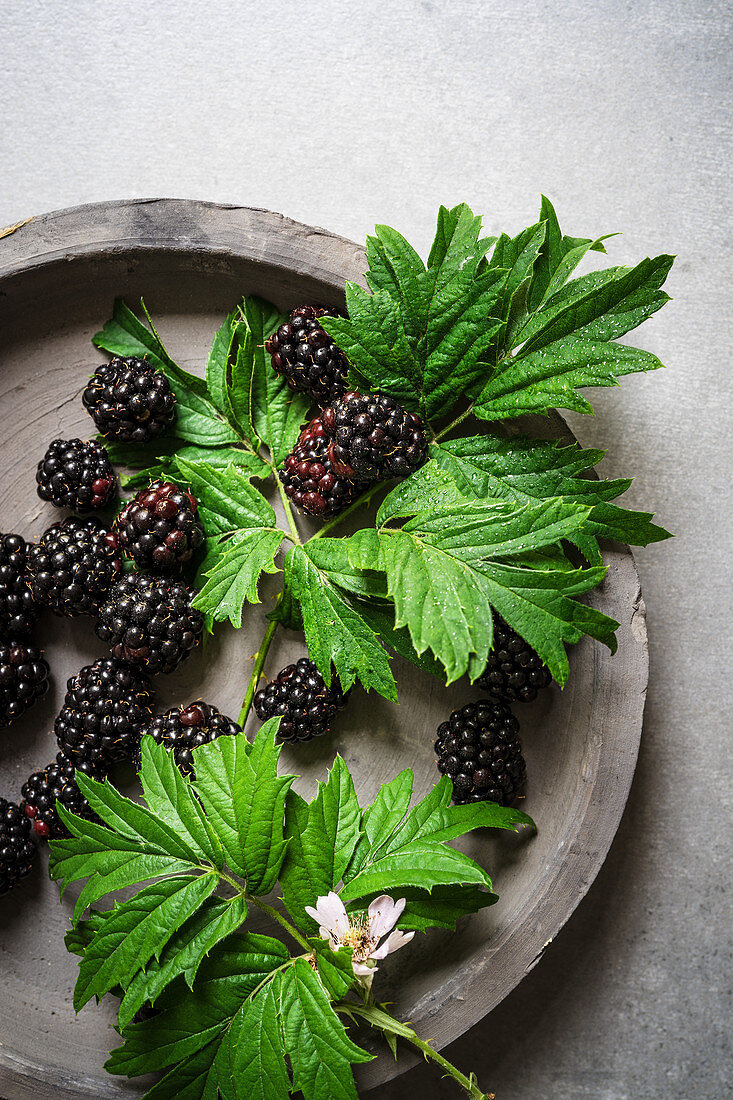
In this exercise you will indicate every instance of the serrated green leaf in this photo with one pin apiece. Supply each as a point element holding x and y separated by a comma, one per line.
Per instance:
<point>380,617</point>
<point>228,503</point>
<point>555,249</point>
<point>170,798</point>
<point>442,907</point>
<point>252,1062</point>
<point>321,1054</point>
<point>195,1078</point>
<point>245,800</point>
<point>184,953</point>
<point>381,819</point>
<point>420,864</point>
<point>234,574</point>
<point>322,836</point>
<point>217,364</point>
<point>335,633</point>
<point>331,556</point>
<point>334,968</point>
<point>136,931</point>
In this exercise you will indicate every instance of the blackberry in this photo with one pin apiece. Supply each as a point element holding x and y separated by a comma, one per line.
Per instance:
<point>372,436</point>
<point>149,621</point>
<point>130,400</point>
<point>73,566</point>
<point>23,678</point>
<point>106,706</point>
<point>478,748</point>
<point>16,850</point>
<point>56,783</point>
<point>514,673</point>
<point>310,480</point>
<point>299,693</point>
<point>18,609</point>
<point>160,528</point>
<point>77,474</point>
<point>304,354</point>
<point>182,729</point>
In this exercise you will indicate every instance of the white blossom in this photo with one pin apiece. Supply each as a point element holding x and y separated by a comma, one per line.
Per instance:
<point>361,934</point>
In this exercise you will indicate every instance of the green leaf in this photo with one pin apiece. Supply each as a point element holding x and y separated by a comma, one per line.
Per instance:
<point>334,632</point>
<point>197,421</point>
<point>550,378</point>
<point>244,798</point>
<point>321,1054</point>
<point>556,247</point>
<point>335,968</point>
<point>331,556</point>
<point>380,617</point>
<point>275,412</point>
<point>136,931</point>
<point>381,818</point>
<point>169,796</point>
<point>253,1052</point>
<point>217,364</point>
<point>195,1078</point>
<point>184,953</point>
<point>227,501</point>
<point>440,908</point>
<point>234,574</point>
<point>322,836</point>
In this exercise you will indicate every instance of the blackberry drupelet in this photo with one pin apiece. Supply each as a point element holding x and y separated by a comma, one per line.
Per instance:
<point>149,621</point>
<point>478,748</point>
<point>299,693</point>
<point>309,479</point>
<point>130,400</point>
<point>372,436</point>
<point>304,354</point>
<point>106,706</point>
<point>73,566</point>
<point>77,474</point>
<point>514,672</point>
<point>182,729</point>
<point>56,783</point>
<point>17,852</point>
<point>160,528</point>
<point>18,609</point>
<point>23,678</point>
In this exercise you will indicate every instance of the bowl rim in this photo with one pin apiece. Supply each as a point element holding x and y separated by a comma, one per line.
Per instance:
<point>217,231</point>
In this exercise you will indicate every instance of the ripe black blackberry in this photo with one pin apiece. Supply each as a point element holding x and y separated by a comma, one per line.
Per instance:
<point>77,474</point>
<point>372,436</point>
<point>309,479</point>
<point>149,621</point>
<point>130,400</point>
<point>305,355</point>
<point>23,678</point>
<point>182,729</point>
<point>56,783</point>
<point>16,850</point>
<point>18,609</point>
<point>299,693</point>
<point>478,748</point>
<point>514,671</point>
<point>73,566</point>
<point>160,527</point>
<point>105,707</point>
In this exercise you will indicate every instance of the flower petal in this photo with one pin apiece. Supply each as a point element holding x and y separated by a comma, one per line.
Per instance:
<point>362,970</point>
<point>383,915</point>
<point>395,940</point>
<point>330,913</point>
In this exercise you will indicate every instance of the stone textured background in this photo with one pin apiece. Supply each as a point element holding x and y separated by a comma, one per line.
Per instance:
<point>343,117</point>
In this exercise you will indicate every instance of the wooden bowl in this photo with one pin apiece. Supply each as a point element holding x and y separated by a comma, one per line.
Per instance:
<point>192,261</point>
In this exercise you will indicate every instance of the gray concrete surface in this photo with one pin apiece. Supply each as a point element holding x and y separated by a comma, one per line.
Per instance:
<point>619,112</point>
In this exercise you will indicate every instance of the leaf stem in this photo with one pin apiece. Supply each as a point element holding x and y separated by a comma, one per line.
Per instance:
<point>282,921</point>
<point>260,658</point>
<point>454,423</point>
<point>358,503</point>
<point>383,1021</point>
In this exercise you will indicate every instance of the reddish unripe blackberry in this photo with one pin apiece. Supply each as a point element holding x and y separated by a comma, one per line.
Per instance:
<point>160,528</point>
<point>149,621</point>
<point>300,694</point>
<point>23,678</point>
<point>16,850</point>
<point>305,355</point>
<point>130,400</point>
<point>182,729</point>
<point>56,783</point>
<point>309,479</point>
<point>18,609</point>
<point>77,474</point>
<point>73,566</point>
<point>479,749</point>
<point>514,671</point>
<point>371,436</point>
<point>105,707</point>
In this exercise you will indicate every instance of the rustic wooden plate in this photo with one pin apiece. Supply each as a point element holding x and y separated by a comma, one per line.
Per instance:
<point>192,261</point>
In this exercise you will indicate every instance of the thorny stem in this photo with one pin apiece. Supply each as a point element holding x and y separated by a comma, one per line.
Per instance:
<point>260,658</point>
<point>282,921</point>
<point>454,423</point>
<point>383,1021</point>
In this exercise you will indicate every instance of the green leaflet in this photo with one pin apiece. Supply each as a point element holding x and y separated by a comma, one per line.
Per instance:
<point>252,1059</point>
<point>228,502</point>
<point>233,573</point>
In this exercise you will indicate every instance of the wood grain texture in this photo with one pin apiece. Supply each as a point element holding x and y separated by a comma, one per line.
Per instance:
<point>191,261</point>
